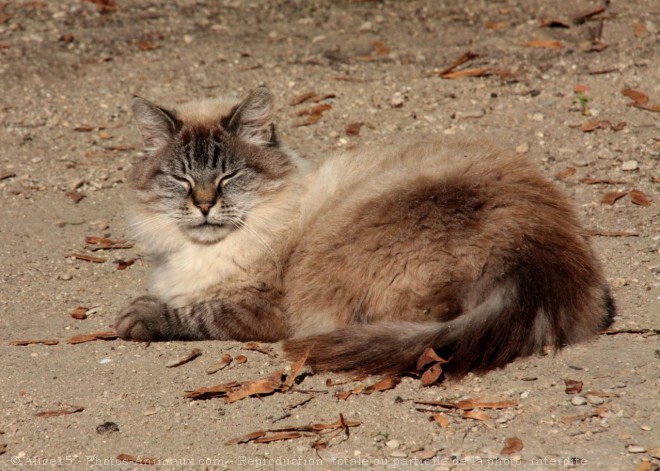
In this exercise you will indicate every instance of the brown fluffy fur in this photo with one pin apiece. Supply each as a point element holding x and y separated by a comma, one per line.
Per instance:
<point>368,258</point>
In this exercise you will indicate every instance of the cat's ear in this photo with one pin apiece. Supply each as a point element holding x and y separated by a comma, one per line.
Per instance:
<point>252,119</point>
<point>157,125</point>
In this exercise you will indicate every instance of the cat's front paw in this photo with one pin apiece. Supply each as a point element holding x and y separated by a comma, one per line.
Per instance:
<point>142,320</point>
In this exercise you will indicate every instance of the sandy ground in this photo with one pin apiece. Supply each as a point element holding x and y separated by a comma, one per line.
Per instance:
<point>68,70</point>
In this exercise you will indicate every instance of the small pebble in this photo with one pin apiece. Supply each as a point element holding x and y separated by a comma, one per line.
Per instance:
<point>646,428</point>
<point>470,114</point>
<point>105,361</point>
<point>636,449</point>
<point>107,427</point>
<point>399,454</point>
<point>578,401</point>
<point>397,100</point>
<point>65,276</point>
<point>595,400</point>
<point>187,39</point>
<point>522,148</point>
<point>580,163</point>
<point>629,165</point>
<point>393,444</point>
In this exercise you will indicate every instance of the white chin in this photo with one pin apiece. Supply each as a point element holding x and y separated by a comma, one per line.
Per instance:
<point>208,234</point>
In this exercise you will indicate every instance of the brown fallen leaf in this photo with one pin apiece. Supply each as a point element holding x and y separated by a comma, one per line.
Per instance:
<point>240,359</point>
<point>87,258</point>
<point>124,264</point>
<point>426,358</point>
<point>212,391</point>
<point>194,353</point>
<point>604,233</point>
<point>278,436</point>
<point>315,110</point>
<point>639,198</point>
<point>552,23</point>
<point>478,72</point>
<point>217,366</point>
<point>295,371</point>
<point>635,95</point>
<point>302,98</point>
<point>469,404</point>
<point>343,395</point>
<point>382,385</point>
<point>309,120</point>
<point>480,416</point>
<point>3,448</point>
<point>251,388</point>
<point>23,343</point>
<point>90,337</point>
<point>257,347</point>
<point>606,181</point>
<point>512,445</point>
<point>69,409</point>
<point>380,48</point>
<point>104,6</point>
<point>86,128</point>
<point>654,108</point>
<point>103,243</point>
<point>612,197</point>
<point>146,46</point>
<point>495,25</point>
<point>582,16</point>
<point>645,465</point>
<point>441,419</point>
<point>601,394</point>
<point>74,195</point>
<point>566,173</point>
<point>137,459</point>
<point>353,129</point>
<point>79,313</point>
<point>246,438</point>
<point>432,374</point>
<point>462,59</point>
<point>330,382</point>
<point>545,44</point>
<point>573,386</point>
<point>594,124</point>
<point>639,29</point>
<point>5,175</point>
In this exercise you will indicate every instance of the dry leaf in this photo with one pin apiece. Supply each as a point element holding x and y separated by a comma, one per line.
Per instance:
<point>566,173</point>
<point>639,198</point>
<point>635,95</point>
<point>612,197</point>
<point>594,124</point>
<point>85,128</point>
<point>103,243</point>
<point>581,88</point>
<point>137,459</point>
<point>573,386</point>
<point>79,313</point>
<point>353,129</point>
<point>3,448</point>
<point>440,419</point>
<point>194,353</point>
<point>295,370</point>
<point>257,347</point>
<point>302,98</point>
<point>495,24</point>
<point>22,343</point>
<point>251,388</point>
<point>212,391</point>
<point>75,196</point>
<point>311,119</point>
<point>380,47</point>
<point>215,367</point>
<point>240,359</point>
<point>607,181</point>
<point>479,415</point>
<point>90,337</point>
<point>70,409</point>
<point>468,404</point>
<point>87,258</point>
<point>478,72</point>
<point>545,44</point>
<point>5,175</point>
<point>429,356</point>
<point>654,108</point>
<point>246,438</point>
<point>124,264</point>
<point>466,57</point>
<point>343,395</point>
<point>315,110</point>
<point>639,29</point>
<point>104,135</point>
<point>552,23</point>
<point>583,15</point>
<point>383,385</point>
<point>512,445</point>
<point>604,233</point>
<point>278,436</point>
<point>432,375</point>
<point>146,46</point>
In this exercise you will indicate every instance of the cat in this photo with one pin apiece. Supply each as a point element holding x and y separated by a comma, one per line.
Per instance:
<point>364,260</point>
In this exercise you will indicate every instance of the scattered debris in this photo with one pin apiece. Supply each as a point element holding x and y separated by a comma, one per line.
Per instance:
<point>573,386</point>
<point>612,197</point>
<point>639,198</point>
<point>87,258</point>
<point>569,171</point>
<point>79,313</point>
<point>103,243</point>
<point>106,335</point>
<point>194,353</point>
<point>123,264</point>
<point>604,233</point>
<point>353,129</point>
<point>257,347</point>
<point>22,343</point>
<point>107,427</point>
<point>545,44</point>
<point>512,445</point>
<point>69,409</point>
<point>217,366</point>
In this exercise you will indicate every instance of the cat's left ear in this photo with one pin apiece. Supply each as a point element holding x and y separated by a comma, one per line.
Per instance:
<point>157,125</point>
<point>252,120</point>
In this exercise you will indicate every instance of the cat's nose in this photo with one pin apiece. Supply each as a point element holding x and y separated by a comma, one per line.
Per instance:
<point>204,208</point>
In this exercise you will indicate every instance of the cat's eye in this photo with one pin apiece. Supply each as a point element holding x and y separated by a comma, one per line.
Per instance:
<point>187,183</point>
<point>224,179</point>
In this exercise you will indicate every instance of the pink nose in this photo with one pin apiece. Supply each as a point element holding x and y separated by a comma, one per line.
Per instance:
<point>204,208</point>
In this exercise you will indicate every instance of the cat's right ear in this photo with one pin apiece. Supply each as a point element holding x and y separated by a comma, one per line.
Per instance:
<point>157,125</point>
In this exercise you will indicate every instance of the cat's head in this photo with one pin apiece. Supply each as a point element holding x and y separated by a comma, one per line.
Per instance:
<point>210,164</point>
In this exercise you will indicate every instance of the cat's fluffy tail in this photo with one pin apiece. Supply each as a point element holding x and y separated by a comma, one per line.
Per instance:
<point>490,335</point>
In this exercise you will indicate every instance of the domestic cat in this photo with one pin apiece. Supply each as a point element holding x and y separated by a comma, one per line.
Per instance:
<point>365,259</point>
